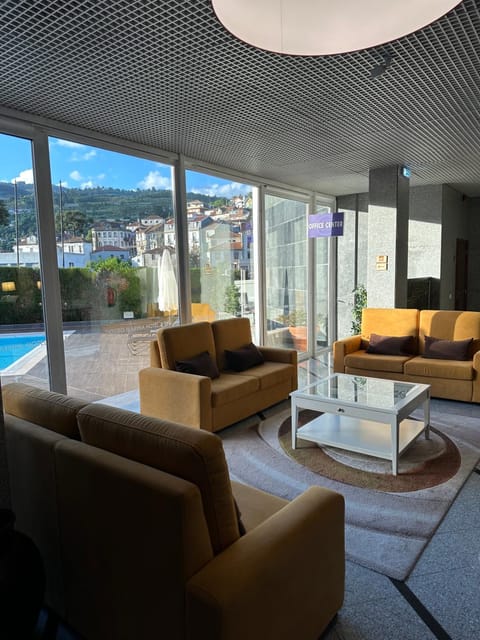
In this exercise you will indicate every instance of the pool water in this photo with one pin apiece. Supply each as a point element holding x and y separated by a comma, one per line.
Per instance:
<point>14,346</point>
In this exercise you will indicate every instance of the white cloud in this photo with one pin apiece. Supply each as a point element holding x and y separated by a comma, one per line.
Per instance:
<point>70,144</point>
<point>24,176</point>
<point>77,155</point>
<point>227,190</point>
<point>76,175</point>
<point>87,185</point>
<point>155,180</point>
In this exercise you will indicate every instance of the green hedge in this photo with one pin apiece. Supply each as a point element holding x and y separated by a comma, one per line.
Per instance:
<point>84,294</point>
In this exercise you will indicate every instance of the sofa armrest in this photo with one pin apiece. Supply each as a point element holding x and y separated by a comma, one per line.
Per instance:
<point>343,347</point>
<point>476,377</point>
<point>284,579</point>
<point>175,396</point>
<point>279,354</point>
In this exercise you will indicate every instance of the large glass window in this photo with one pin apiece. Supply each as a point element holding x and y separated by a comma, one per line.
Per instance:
<point>286,272</point>
<point>220,243</point>
<point>322,286</point>
<point>22,334</point>
<point>117,263</point>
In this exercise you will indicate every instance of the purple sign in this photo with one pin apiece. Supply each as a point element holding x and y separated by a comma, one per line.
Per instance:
<point>325,225</point>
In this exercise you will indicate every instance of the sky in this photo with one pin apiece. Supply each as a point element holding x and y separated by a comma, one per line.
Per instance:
<point>81,166</point>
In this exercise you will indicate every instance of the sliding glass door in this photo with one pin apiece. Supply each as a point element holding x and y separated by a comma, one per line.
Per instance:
<point>115,232</point>
<point>220,246</point>
<point>22,333</point>
<point>286,291</point>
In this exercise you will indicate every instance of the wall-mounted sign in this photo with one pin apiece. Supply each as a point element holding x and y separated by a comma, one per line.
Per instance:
<point>381,263</point>
<point>325,225</point>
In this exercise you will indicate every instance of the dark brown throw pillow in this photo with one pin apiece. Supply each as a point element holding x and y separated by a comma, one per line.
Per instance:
<point>447,349</point>
<point>391,345</point>
<point>201,365</point>
<point>244,358</point>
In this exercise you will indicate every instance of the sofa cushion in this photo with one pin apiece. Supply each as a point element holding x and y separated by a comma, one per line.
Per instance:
<point>450,325</point>
<point>230,387</point>
<point>201,365</point>
<point>373,362</point>
<point>192,454</point>
<point>230,334</point>
<point>447,349</point>
<point>244,358</point>
<point>53,411</point>
<point>270,374</point>
<point>183,342</point>
<point>436,368</point>
<point>391,322</point>
<point>391,345</point>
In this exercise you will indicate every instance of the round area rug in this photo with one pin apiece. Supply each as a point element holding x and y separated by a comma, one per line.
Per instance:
<point>426,463</point>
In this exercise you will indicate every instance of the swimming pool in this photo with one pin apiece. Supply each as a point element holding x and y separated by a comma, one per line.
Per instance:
<point>14,346</point>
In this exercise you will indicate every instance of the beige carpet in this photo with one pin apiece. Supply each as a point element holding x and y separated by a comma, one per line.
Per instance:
<point>426,463</point>
<point>386,530</point>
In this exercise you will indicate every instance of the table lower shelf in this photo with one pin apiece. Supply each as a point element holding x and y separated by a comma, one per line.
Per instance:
<point>360,435</point>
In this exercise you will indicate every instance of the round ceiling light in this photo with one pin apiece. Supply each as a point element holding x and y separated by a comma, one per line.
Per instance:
<point>326,27</point>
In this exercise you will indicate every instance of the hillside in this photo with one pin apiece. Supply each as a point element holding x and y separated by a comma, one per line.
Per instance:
<point>98,204</point>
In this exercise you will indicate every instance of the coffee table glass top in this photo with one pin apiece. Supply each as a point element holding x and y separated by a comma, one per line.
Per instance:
<point>362,391</point>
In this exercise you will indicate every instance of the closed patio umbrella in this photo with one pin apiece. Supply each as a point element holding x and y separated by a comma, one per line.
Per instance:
<point>167,285</point>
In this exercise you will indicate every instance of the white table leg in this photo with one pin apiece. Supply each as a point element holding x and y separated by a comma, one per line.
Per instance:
<point>426,417</point>
<point>294,412</point>
<point>394,426</point>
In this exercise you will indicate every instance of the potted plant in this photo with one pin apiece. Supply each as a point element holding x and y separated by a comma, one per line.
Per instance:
<point>359,302</point>
<point>296,321</point>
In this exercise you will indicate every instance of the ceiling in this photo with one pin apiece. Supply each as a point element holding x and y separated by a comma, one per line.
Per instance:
<point>166,73</point>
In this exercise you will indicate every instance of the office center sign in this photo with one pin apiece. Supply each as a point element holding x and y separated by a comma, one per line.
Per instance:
<point>325,225</point>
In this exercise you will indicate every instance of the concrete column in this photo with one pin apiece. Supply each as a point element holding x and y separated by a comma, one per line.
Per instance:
<point>387,238</point>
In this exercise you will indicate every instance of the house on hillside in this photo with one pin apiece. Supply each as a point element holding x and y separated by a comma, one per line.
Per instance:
<point>110,251</point>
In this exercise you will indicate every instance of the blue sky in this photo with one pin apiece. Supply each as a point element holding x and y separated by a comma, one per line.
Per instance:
<point>81,166</point>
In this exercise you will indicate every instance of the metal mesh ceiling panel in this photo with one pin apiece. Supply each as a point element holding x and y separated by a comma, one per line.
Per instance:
<point>166,73</point>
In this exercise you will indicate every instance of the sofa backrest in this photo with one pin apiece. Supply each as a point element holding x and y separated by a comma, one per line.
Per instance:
<point>450,325</point>
<point>231,334</point>
<point>185,341</point>
<point>54,411</point>
<point>389,322</point>
<point>131,538</point>
<point>194,455</point>
<point>35,421</point>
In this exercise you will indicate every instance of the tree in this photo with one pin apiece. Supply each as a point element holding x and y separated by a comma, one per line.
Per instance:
<point>232,300</point>
<point>75,223</point>
<point>4,215</point>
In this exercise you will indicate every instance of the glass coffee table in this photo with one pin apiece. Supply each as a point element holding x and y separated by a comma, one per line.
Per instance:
<point>366,415</point>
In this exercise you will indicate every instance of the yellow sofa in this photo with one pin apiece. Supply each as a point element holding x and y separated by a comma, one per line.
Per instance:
<point>136,521</point>
<point>205,403</point>
<point>451,379</point>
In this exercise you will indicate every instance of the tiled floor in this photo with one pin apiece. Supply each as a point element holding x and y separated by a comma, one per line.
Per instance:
<point>440,599</point>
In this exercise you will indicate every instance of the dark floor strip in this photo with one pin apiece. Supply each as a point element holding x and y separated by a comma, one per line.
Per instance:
<point>431,622</point>
<point>477,471</point>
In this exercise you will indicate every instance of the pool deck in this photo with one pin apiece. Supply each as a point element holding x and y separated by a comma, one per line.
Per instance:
<point>99,365</point>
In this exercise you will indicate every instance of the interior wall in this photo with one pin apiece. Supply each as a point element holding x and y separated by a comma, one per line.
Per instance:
<point>425,232</point>
<point>454,225</point>
<point>438,215</point>
<point>473,231</point>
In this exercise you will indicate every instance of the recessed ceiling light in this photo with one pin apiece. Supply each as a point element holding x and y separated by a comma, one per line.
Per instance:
<point>326,27</point>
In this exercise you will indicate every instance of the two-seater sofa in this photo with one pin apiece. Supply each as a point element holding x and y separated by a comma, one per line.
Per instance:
<point>212,403</point>
<point>417,360</point>
<point>137,522</point>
